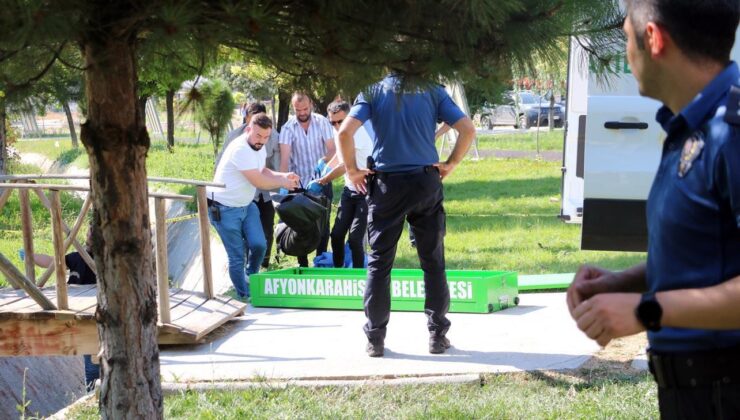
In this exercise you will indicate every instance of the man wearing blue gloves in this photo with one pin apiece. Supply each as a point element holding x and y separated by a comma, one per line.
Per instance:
<point>306,145</point>
<point>352,213</point>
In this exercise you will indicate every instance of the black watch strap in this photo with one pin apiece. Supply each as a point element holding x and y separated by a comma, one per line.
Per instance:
<point>649,312</point>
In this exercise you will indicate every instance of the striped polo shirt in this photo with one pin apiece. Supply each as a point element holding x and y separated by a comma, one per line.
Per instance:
<point>306,147</point>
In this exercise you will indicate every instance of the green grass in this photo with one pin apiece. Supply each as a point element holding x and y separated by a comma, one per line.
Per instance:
<point>540,395</point>
<point>549,141</point>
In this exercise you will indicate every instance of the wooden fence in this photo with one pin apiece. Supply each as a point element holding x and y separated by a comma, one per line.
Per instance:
<point>25,184</point>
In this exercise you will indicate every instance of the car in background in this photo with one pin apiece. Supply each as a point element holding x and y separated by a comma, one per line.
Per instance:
<point>522,109</point>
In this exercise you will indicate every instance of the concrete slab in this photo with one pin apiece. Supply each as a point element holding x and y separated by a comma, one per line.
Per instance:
<point>270,343</point>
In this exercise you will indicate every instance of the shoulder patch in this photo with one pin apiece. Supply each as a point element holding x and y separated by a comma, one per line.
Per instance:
<point>732,114</point>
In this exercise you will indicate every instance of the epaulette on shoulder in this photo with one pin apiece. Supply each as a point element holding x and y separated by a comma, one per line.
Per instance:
<point>732,114</point>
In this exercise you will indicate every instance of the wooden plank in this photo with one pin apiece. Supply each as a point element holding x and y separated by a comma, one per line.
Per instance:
<point>190,305</point>
<point>48,337</point>
<point>4,196</point>
<point>56,187</point>
<point>50,293</point>
<point>163,282</point>
<point>60,268</point>
<point>27,228</point>
<point>205,241</point>
<point>17,279</point>
<point>212,314</point>
<point>80,176</point>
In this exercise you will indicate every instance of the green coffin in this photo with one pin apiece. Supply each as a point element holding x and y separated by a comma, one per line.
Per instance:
<point>343,288</point>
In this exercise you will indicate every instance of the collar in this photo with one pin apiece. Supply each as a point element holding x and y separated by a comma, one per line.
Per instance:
<point>694,114</point>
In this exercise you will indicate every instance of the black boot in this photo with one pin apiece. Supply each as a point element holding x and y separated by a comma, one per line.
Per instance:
<point>375,348</point>
<point>438,343</point>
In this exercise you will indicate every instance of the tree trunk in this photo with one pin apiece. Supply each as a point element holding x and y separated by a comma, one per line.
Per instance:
<point>283,108</point>
<point>171,120</point>
<point>3,140</point>
<point>551,112</point>
<point>117,142</point>
<point>71,123</point>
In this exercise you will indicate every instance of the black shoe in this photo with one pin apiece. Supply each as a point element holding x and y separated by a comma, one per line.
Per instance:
<point>375,349</point>
<point>438,344</point>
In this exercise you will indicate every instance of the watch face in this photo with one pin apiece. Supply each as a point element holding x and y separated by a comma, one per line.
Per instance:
<point>649,313</point>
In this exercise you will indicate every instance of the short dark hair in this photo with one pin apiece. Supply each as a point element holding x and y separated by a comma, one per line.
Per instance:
<point>256,108</point>
<point>262,120</point>
<point>701,29</point>
<point>336,106</point>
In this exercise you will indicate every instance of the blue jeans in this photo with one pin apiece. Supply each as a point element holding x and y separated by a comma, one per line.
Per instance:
<point>241,232</point>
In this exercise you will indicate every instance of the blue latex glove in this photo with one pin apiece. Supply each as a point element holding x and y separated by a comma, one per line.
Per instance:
<point>320,166</point>
<point>22,254</point>
<point>283,191</point>
<point>314,187</point>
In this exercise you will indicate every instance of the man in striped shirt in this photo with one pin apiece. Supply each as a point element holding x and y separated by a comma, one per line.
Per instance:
<point>307,141</point>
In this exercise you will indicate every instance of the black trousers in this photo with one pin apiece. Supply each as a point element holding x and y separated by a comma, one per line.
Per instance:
<point>324,241</point>
<point>703,385</point>
<point>418,198</point>
<point>352,217</point>
<point>267,218</point>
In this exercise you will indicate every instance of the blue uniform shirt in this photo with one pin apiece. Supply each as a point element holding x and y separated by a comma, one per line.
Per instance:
<point>404,123</point>
<point>693,211</point>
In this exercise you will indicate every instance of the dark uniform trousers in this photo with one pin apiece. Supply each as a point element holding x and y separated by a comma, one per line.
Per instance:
<point>267,219</point>
<point>328,191</point>
<point>352,217</point>
<point>392,197</point>
<point>701,385</point>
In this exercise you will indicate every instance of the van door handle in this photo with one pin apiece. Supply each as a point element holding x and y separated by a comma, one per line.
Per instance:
<point>619,125</point>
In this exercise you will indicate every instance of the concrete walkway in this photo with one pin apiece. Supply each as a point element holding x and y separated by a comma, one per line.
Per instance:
<point>284,344</point>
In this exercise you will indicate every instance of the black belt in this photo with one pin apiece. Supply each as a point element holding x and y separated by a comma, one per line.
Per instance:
<point>213,203</point>
<point>700,369</point>
<point>420,169</point>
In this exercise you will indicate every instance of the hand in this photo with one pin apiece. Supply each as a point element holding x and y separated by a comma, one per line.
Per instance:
<point>320,167</point>
<point>291,180</point>
<point>358,178</point>
<point>445,168</point>
<point>608,315</point>
<point>314,187</point>
<point>588,281</point>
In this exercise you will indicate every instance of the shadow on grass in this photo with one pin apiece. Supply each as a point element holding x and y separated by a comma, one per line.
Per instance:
<point>69,156</point>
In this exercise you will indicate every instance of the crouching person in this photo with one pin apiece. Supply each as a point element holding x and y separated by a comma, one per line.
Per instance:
<point>231,209</point>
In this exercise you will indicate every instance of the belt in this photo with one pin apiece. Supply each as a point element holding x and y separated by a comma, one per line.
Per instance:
<point>415,171</point>
<point>700,369</point>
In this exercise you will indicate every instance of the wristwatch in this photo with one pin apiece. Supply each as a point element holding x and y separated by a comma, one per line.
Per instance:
<point>649,312</point>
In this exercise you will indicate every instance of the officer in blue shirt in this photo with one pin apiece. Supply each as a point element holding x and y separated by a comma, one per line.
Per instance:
<point>687,295</point>
<point>405,183</point>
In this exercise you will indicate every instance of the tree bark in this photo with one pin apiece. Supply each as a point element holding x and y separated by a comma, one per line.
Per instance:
<point>117,142</point>
<point>3,140</point>
<point>170,99</point>
<point>71,123</point>
<point>283,108</point>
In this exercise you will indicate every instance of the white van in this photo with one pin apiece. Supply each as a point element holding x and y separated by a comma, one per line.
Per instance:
<point>612,147</point>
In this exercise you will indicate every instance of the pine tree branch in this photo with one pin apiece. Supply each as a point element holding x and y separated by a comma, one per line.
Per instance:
<point>28,82</point>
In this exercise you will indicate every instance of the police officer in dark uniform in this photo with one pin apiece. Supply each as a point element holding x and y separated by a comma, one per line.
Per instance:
<point>405,184</point>
<point>687,295</point>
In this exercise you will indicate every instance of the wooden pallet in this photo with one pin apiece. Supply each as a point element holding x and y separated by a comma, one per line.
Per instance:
<point>27,330</point>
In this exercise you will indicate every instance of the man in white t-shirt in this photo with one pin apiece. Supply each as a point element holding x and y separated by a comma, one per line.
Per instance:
<point>352,213</point>
<point>231,209</point>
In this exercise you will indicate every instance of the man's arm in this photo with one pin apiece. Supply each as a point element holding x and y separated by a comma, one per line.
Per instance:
<point>714,307</point>
<point>43,260</point>
<point>590,281</point>
<point>331,149</point>
<point>337,170</point>
<point>267,179</point>
<point>284,157</point>
<point>347,153</point>
<point>466,134</point>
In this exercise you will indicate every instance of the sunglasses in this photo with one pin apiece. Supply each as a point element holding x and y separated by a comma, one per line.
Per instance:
<point>336,123</point>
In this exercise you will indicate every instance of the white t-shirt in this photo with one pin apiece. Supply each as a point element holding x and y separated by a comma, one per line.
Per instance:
<point>237,157</point>
<point>363,148</point>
